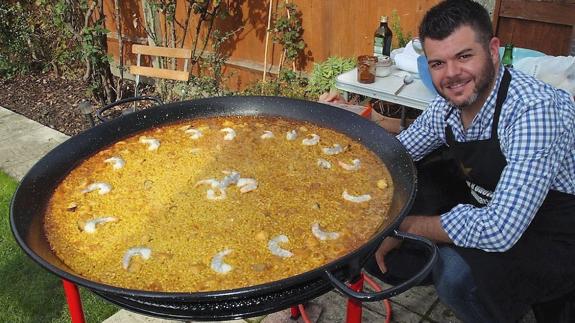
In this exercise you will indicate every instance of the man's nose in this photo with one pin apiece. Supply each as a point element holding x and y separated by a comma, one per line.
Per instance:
<point>452,69</point>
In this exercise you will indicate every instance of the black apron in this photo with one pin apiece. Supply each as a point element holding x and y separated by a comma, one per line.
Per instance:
<point>541,266</point>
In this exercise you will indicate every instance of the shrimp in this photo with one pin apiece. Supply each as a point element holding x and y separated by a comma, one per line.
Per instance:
<point>153,144</point>
<point>323,235</point>
<point>90,226</point>
<point>267,135</point>
<point>291,135</point>
<point>218,265</point>
<point>211,194</point>
<point>210,181</point>
<point>355,165</point>
<point>143,252</point>
<point>231,178</point>
<point>103,188</point>
<point>247,184</point>
<point>230,133</point>
<point>336,149</point>
<point>314,140</point>
<point>323,163</point>
<point>275,249</point>
<point>355,198</point>
<point>195,133</point>
<point>117,162</point>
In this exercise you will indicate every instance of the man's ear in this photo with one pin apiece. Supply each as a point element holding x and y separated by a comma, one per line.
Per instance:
<point>494,44</point>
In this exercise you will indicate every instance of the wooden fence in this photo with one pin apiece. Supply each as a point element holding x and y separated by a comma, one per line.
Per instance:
<point>544,25</point>
<point>331,28</point>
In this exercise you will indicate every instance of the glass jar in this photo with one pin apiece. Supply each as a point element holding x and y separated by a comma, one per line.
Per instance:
<point>366,68</point>
<point>383,66</point>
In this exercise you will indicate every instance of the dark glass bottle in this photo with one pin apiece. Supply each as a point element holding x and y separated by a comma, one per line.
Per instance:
<point>382,39</point>
<point>507,59</point>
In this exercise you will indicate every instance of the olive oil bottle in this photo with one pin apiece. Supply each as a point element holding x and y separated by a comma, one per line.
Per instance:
<point>382,39</point>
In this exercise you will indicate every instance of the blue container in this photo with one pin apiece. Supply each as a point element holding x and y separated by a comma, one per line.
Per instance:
<point>424,75</point>
<point>521,53</point>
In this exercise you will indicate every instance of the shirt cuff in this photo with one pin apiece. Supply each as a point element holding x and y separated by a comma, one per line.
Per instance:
<point>454,224</point>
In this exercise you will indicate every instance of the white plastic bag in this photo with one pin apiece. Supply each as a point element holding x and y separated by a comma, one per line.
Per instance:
<point>406,58</point>
<point>559,71</point>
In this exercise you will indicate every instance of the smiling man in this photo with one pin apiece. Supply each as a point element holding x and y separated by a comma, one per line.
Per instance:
<point>501,201</point>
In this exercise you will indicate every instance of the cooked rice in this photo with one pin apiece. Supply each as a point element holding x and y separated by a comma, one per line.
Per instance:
<point>158,206</point>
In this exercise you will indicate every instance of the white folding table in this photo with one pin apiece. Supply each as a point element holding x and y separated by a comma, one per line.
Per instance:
<point>414,95</point>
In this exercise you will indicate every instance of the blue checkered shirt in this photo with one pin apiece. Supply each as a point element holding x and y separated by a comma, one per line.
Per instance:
<point>537,137</point>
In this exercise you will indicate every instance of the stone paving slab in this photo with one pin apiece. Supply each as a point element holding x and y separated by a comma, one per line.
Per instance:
<point>5,112</point>
<point>441,313</point>
<point>126,316</point>
<point>313,311</point>
<point>23,142</point>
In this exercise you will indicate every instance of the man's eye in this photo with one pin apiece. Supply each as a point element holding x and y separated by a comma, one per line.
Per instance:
<point>465,57</point>
<point>435,65</point>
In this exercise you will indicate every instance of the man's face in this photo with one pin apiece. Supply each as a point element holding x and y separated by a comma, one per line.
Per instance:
<point>461,68</point>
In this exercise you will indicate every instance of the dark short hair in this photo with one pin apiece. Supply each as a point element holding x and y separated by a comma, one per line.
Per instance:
<point>444,18</point>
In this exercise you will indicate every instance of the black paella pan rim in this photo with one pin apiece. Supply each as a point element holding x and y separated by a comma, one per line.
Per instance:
<point>34,190</point>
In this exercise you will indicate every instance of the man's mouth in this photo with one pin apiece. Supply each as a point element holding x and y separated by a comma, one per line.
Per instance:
<point>454,85</point>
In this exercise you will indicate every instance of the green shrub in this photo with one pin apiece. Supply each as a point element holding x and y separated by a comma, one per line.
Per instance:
<point>14,36</point>
<point>400,38</point>
<point>323,75</point>
<point>287,84</point>
<point>34,36</point>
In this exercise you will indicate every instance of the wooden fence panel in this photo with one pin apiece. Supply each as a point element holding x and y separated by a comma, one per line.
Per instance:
<point>546,25</point>
<point>331,28</point>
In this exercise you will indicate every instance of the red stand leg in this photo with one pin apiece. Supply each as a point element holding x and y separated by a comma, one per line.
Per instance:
<point>294,312</point>
<point>74,302</point>
<point>354,308</point>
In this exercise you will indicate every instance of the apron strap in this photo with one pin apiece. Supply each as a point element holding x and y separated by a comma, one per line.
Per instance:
<point>501,96</point>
